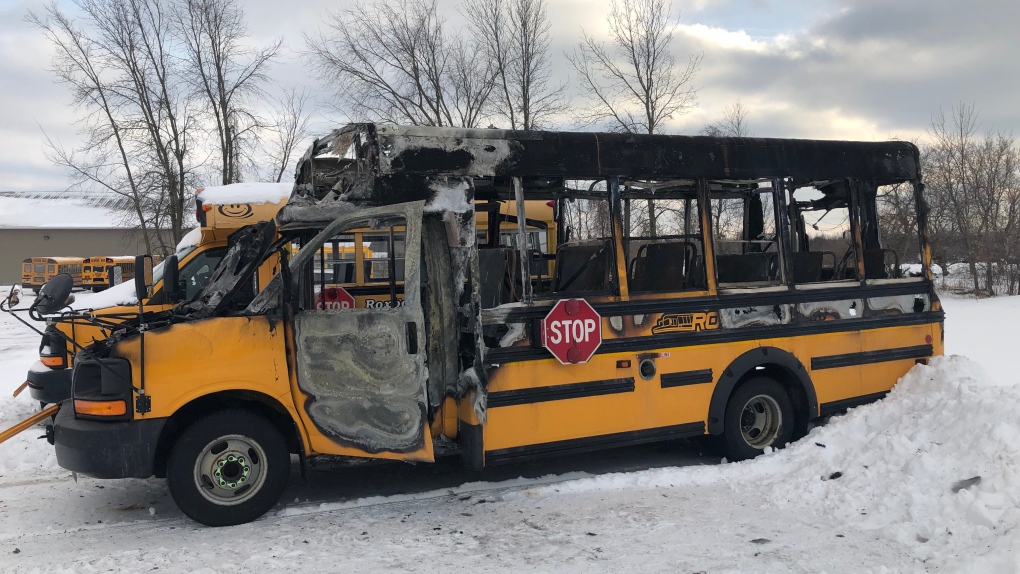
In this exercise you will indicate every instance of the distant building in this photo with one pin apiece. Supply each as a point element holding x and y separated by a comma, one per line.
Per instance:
<point>64,223</point>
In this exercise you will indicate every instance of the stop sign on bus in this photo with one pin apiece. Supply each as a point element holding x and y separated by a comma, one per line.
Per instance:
<point>572,331</point>
<point>336,298</point>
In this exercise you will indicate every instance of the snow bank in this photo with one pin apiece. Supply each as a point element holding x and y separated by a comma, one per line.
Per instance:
<point>934,466</point>
<point>254,193</point>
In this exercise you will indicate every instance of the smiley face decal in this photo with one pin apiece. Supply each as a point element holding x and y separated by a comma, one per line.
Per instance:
<point>236,210</point>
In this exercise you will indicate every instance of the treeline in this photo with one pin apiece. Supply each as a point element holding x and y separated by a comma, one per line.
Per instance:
<point>972,188</point>
<point>175,94</point>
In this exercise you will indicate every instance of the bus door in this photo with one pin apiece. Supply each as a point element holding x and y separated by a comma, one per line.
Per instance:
<point>362,370</point>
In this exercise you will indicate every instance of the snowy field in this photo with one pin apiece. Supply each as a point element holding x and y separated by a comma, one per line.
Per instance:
<point>883,489</point>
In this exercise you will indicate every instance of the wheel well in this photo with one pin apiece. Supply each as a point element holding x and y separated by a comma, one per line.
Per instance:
<point>772,362</point>
<point>198,408</point>
<point>790,383</point>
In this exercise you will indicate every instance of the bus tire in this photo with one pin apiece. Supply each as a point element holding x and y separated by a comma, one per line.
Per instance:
<point>759,414</point>
<point>229,467</point>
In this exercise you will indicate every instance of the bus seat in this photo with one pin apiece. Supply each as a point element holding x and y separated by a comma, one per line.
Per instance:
<point>500,276</point>
<point>807,266</point>
<point>582,266</point>
<point>746,268</point>
<point>662,266</point>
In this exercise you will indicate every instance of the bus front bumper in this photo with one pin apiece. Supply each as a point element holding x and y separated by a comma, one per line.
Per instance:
<point>102,449</point>
<point>52,386</point>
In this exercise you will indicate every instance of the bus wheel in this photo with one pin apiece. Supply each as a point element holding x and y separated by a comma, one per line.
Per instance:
<point>228,468</point>
<point>758,415</point>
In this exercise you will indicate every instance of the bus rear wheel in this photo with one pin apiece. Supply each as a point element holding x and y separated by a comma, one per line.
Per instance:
<point>228,468</point>
<point>759,415</point>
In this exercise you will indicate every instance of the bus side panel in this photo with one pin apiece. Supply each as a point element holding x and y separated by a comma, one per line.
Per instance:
<point>189,360</point>
<point>880,376</point>
<point>543,401</point>
<point>834,383</point>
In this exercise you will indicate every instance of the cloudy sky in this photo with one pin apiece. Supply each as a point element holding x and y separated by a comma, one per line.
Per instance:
<point>846,69</point>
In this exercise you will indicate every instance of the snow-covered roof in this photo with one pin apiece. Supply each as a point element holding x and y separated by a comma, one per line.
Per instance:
<point>63,209</point>
<point>249,192</point>
<point>70,210</point>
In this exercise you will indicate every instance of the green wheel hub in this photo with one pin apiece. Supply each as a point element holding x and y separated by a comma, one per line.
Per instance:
<point>230,470</point>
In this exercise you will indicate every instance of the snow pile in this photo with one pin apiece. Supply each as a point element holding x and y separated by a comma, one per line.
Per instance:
<point>254,193</point>
<point>935,466</point>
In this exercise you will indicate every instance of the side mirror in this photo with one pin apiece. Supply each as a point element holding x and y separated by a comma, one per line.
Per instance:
<point>171,280</point>
<point>14,297</point>
<point>143,277</point>
<point>53,296</point>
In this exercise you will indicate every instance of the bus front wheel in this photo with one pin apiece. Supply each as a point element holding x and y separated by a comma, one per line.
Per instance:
<point>228,468</point>
<point>758,415</point>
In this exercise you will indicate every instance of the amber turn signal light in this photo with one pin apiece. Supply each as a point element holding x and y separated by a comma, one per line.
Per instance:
<point>100,408</point>
<point>52,361</point>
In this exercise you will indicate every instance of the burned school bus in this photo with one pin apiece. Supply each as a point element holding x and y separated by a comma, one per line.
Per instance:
<point>725,286</point>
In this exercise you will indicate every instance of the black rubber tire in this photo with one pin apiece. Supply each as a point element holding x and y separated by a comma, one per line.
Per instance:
<point>737,447</point>
<point>190,445</point>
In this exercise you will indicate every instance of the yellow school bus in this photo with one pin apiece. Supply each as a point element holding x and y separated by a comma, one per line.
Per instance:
<point>699,286</point>
<point>198,254</point>
<point>358,275</point>
<point>36,271</point>
<point>95,272</point>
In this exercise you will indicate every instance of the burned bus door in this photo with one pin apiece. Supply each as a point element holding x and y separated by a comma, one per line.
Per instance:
<point>362,370</point>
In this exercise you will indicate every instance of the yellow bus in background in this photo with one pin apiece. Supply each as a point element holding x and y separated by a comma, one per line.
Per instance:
<point>357,266</point>
<point>198,254</point>
<point>95,273</point>
<point>36,271</point>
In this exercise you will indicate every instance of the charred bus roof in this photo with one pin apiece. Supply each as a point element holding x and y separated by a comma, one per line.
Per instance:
<point>371,164</point>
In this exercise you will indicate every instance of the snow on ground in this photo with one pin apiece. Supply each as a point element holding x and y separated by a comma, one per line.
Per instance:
<point>890,487</point>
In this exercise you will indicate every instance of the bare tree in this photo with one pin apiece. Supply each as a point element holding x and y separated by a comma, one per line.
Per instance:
<point>391,60</point>
<point>139,34</point>
<point>733,123</point>
<point>634,84</point>
<point>517,48</point>
<point>290,129</point>
<point>82,64</point>
<point>228,75</point>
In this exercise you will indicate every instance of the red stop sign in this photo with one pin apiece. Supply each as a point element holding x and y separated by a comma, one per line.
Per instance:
<point>336,298</point>
<point>572,331</point>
